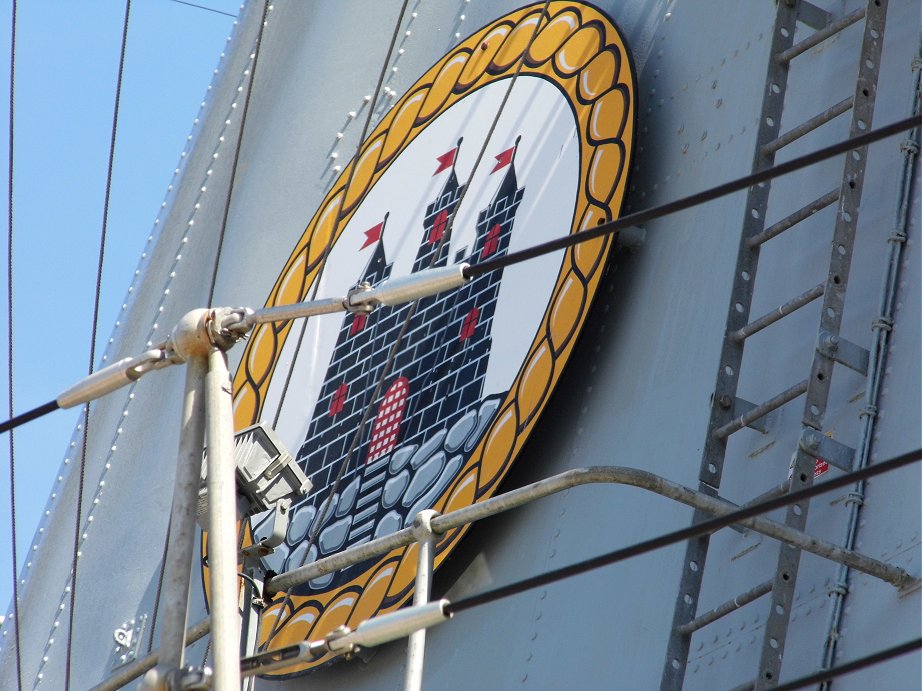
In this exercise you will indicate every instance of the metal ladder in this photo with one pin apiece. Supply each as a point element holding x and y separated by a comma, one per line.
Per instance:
<point>729,413</point>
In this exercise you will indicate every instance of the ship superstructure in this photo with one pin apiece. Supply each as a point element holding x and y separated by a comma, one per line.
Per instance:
<point>760,342</point>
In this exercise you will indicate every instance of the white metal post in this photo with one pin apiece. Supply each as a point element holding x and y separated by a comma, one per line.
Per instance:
<point>181,542</point>
<point>416,642</point>
<point>183,526</point>
<point>222,525</point>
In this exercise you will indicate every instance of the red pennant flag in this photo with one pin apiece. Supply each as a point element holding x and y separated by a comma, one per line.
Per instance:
<point>372,235</point>
<point>446,160</point>
<point>503,159</point>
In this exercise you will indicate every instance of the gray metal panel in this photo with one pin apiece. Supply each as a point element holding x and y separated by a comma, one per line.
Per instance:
<point>637,390</point>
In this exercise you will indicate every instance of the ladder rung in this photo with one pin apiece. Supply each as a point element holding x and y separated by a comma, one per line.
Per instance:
<point>760,410</point>
<point>819,36</point>
<point>795,218</point>
<point>741,406</point>
<point>808,126</point>
<point>776,491</point>
<point>725,608</point>
<point>792,305</point>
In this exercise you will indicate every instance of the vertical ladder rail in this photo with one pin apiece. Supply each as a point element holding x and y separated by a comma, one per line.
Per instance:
<point>731,354</point>
<point>817,394</point>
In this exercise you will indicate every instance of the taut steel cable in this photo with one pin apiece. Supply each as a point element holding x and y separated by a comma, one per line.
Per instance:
<point>9,297</point>
<point>92,358</point>
<point>677,536</point>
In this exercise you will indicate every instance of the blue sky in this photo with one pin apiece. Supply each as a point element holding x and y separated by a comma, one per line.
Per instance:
<point>66,67</point>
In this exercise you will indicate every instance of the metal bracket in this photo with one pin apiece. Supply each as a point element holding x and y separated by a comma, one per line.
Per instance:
<point>813,16</point>
<point>827,448</point>
<point>353,304</point>
<point>128,640</point>
<point>843,351</point>
<point>741,406</point>
<point>632,239</point>
<point>279,527</point>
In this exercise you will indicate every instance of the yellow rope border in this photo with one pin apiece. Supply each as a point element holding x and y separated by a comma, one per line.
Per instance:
<point>581,52</point>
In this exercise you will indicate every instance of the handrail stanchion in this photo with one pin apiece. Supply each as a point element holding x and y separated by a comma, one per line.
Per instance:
<point>181,543</point>
<point>222,525</point>
<point>416,642</point>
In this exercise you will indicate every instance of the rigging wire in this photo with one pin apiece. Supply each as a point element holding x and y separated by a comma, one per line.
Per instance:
<point>696,199</point>
<point>352,171</point>
<point>9,296</point>
<point>325,507</point>
<point>202,7</point>
<point>398,341</point>
<point>827,675</point>
<point>233,175</point>
<point>696,530</point>
<point>611,227</point>
<point>214,275</point>
<point>93,334</point>
<point>217,260</point>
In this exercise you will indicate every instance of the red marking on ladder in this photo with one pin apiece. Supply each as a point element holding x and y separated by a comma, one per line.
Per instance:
<point>820,467</point>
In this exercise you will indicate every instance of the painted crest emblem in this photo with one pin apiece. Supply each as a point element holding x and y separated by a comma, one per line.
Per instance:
<point>427,405</point>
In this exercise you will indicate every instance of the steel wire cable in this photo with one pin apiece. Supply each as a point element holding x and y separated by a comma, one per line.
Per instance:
<point>239,145</point>
<point>398,341</point>
<point>328,246</point>
<point>325,507</point>
<point>827,675</point>
<point>202,7</point>
<point>696,199</point>
<point>93,334</point>
<point>611,227</point>
<point>9,296</point>
<point>696,530</point>
<point>214,274</point>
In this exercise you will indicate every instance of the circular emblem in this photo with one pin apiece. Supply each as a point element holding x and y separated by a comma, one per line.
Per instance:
<point>520,134</point>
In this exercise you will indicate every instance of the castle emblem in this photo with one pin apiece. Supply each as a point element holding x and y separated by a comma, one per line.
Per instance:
<point>427,397</point>
<point>428,405</point>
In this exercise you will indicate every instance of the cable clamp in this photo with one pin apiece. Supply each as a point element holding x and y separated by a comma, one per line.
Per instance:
<point>897,237</point>
<point>856,498</point>
<point>917,63</point>
<point>840,588</point>
<point>868,411</point>
<point>882,323</point>
<point>909,146</point>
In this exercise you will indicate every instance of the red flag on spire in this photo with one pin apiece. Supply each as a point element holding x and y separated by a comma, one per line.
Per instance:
<point>446,160</point>
<point>503,159</point>
<point>372,235</point>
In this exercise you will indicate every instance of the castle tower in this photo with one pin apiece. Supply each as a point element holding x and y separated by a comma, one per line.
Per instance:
<point>344,392</point>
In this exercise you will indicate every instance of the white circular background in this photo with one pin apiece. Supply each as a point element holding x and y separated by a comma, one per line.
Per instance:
<point>547,166</point>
